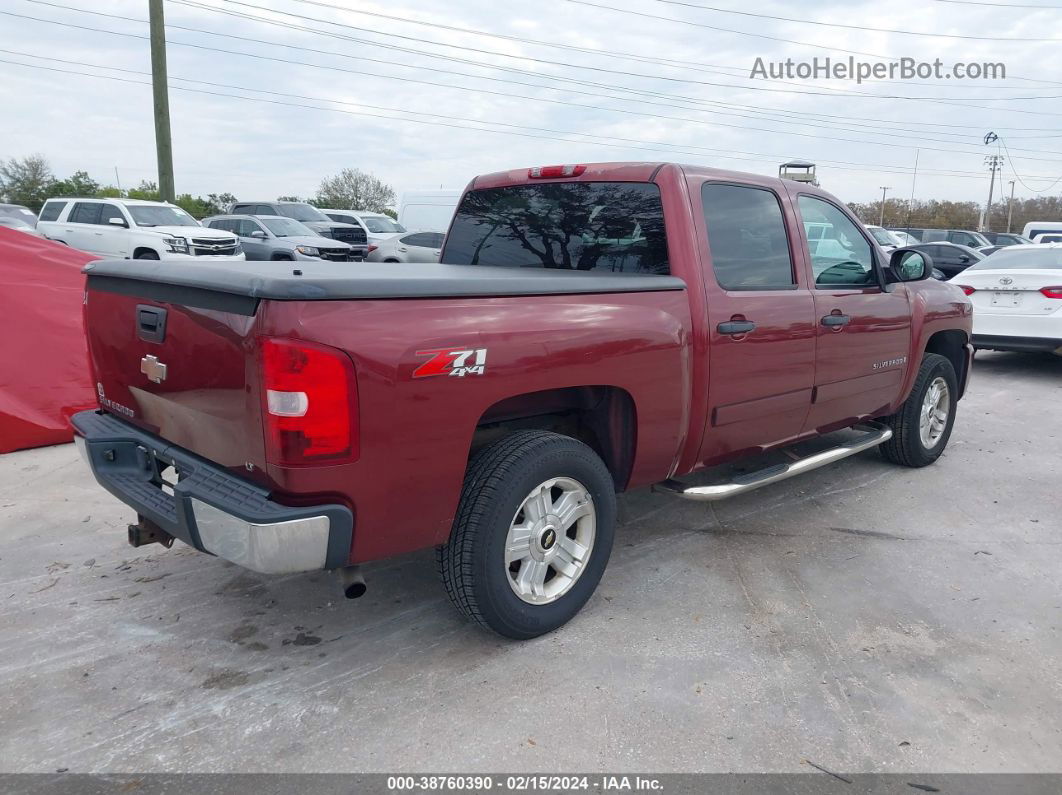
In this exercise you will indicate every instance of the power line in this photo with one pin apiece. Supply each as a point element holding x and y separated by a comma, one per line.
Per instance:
<point>624,73</point>
<point>674,63</point>
<point>624,145</point>
<point>487,91</point>
<point>878,128</point>
<point>851,27</point>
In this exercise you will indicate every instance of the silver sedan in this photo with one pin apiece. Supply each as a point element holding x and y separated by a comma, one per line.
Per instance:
<point>411,247</point>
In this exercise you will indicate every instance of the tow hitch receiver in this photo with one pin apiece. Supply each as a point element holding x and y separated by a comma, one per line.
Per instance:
<point>146,531</point>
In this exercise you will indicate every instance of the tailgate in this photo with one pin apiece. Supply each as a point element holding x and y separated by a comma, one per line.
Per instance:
<point>181,364</point>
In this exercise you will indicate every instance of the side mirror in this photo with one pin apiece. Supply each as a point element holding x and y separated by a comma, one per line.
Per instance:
<point>117,222</point>
<point>964,258</point>
<point>258,234</point>
<point>908,265</point>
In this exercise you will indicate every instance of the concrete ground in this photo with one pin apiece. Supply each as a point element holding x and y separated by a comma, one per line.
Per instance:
<point>864,618</point>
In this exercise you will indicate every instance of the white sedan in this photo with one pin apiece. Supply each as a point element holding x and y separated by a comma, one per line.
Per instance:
<point>1017,298</point>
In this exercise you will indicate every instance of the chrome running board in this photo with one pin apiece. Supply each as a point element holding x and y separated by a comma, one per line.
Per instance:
<point>876,433</point>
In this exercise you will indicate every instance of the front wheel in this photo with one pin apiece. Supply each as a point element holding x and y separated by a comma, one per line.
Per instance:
<point>922,426</point>
<point>532,535</point>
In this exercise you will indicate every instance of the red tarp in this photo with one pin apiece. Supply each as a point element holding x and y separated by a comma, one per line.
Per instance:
<point>44,373</point>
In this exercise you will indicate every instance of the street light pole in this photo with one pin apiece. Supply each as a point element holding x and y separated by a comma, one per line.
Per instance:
<point>1010,206</point>
<point>160,93</point>
<point>881,218</point>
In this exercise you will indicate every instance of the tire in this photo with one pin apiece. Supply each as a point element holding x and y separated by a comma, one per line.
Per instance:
<point>908,445</point>
<point>282,258</point>
<point>147,255</point>
<point>498,490</point>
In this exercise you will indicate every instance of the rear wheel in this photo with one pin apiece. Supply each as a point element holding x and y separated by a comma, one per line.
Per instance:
<point>922,426</point>
<point>532,536</point>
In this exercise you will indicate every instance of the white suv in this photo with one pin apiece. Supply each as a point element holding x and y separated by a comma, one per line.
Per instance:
<point>134,229</point>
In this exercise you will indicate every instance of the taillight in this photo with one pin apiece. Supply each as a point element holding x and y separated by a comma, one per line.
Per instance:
<point>309,403</point>
<point>552,172</point>
<point>967,289</point>
<point>1052,292</point>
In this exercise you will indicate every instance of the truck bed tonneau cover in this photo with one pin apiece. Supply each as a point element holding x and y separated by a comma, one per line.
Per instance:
<point>329,282</point>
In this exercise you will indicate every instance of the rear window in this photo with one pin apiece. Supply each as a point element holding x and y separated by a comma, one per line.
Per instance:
<point>1014,259</point>
<point>51,210</point>
<point>604,226</point>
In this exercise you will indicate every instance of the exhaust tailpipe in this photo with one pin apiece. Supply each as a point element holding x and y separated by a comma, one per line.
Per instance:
<point>353,582</point>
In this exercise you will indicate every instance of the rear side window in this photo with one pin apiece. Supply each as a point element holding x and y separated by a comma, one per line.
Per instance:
<point>265,209</point>
<point>51,210</point>
<point>747,237</point>
<point>237,209</point>
<point>85,213</point>
<point>424,239</point>
<point>588,226</point>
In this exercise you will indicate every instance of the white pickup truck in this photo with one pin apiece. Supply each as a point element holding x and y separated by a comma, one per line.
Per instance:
<point>134,229</point>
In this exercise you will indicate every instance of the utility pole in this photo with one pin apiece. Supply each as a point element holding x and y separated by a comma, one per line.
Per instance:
<point>160,92</point>
<point>1010,206</point>
<point>881,219</point>
<point>994,163</point>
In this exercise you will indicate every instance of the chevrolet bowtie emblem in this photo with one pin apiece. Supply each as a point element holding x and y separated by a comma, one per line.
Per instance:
<point>153,369</point>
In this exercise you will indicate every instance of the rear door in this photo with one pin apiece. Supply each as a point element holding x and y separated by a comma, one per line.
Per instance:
<point>761,319</point>
<point>420,246</point>
<point>81,229</point>
<point>862,333</point>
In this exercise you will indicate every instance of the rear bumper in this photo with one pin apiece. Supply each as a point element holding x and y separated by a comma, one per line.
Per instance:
<point>210,508</point>
<point>998,342</point>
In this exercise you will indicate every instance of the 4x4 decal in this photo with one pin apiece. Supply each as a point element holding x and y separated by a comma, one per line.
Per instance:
<point>447,361</point>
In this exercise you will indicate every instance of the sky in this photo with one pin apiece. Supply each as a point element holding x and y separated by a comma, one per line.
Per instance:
<point>268,97</point>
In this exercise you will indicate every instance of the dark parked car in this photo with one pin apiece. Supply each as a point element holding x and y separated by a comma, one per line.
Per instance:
<point>950,258</point>
<point>1000,239</point>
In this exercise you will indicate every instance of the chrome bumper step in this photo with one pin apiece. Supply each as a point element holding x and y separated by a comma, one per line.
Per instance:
<point>874,434</point>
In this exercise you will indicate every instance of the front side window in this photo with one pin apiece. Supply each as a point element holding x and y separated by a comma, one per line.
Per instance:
<point>109,211</point>
<point>588,226</point>
<point>51,210</point>
<point>843,257</point>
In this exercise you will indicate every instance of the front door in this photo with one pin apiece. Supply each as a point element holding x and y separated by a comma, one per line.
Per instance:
<point>761,320</point>
<point>863,334</point>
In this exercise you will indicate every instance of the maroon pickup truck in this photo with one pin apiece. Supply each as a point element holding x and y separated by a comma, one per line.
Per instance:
<point>595,328</point>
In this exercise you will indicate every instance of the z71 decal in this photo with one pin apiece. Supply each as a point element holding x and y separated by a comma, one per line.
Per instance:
<point>446,361</point>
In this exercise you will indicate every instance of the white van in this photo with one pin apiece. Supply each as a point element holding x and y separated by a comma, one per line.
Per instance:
<point>428,210</point>
<point>1034,228</point>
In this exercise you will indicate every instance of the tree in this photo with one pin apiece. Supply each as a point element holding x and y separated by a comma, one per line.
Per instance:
<point>355,190</point>
<point>219,203</point>
<point>77,184</point>
<point>146,190</point>
<point>288,199</point>
<point>27,181</point>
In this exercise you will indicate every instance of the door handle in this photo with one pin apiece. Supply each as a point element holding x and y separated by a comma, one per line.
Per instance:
<point>736,327</point>
<point>835,320</point>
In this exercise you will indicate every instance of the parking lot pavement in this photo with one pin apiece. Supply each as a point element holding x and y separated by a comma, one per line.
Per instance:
<point>864,617</point>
